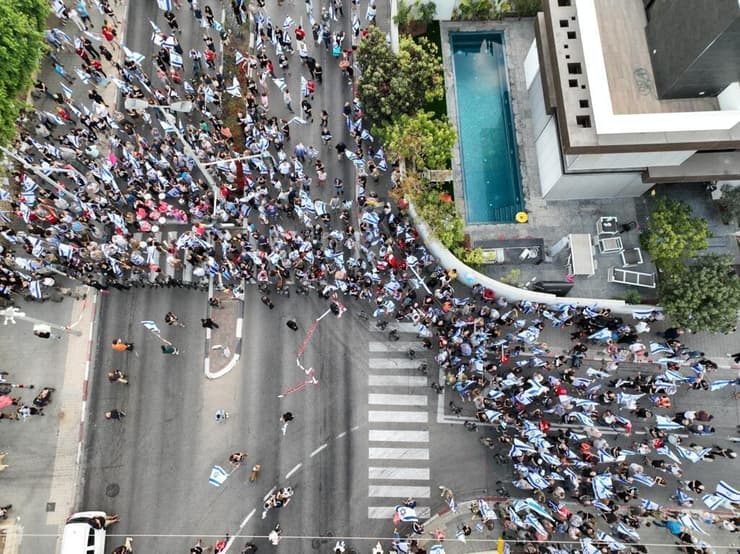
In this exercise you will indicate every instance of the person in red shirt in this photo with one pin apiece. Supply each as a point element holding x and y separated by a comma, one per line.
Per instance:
<point>300,34</point>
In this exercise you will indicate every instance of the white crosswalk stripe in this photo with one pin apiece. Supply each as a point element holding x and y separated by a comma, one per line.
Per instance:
<point>398,424</point>
<point>171,267</point>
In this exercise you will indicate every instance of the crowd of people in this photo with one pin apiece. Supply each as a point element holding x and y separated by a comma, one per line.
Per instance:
<point>131,173</point>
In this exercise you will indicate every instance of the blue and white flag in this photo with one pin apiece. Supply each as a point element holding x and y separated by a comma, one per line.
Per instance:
<point>726,491</point>
<point>720,384</point>
<point>602,486</point>
<point>643,314</point>
<point>668,452</point>
<point>689,522</point>
<point>234,89</point>
<point>167,127</point>
<point>218,476</point>
<point>34,288</point>
<point>66,250</point>
<point>535,524</point>
<point>650,505</point>
<point>582,418</point>
<point>628,400</point>
<point>714,501</point>
<point>605,457</point>
<point>693,455</point>
<point>165,5</point>
<point>515,519</point>
<point>627,531</point>
<point>643,479</point>
<point>66,90</point>
<point>486,511</point>
<point>240,58</point>
<point>682,498</point>
<point>536,480</point>
<point>601,334</point>
<point>151,326</point>
<point>588,547</point>
<point>656,347</point>
<point>613,543</point>
<point>533,505</point>
<point>406,514</point>
<point>437,549</point>
<point>667,423</point>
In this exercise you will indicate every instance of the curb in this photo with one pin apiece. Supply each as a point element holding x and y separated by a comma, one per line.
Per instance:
<point>237,348</point>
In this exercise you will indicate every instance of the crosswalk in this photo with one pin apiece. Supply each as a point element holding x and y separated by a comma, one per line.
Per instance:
<point>172,266</point>
<point>398,426</point>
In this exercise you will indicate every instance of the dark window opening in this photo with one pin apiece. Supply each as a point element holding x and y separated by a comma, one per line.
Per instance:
<point>563,22</point>
<point>574,68</point>
<point>571,35</point>
<point>583,120</point>
<point>583,103</point>
<point>563,3</point>
<point>572,83</point>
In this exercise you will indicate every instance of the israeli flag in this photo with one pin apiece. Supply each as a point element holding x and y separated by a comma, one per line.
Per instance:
<point>656,348</point>
<point>167,127</point>
<point>486,511</point>
<point>34,288</point>
<point>240,58</point>
<point>588,547</point>
<point>627,531</point>
<point>689,522</point>
<point>643,479</point>
<point>693,455</point>
<point>643,314</point>
<point>234,89</point>
<point>365,135</point>
<point>406,514</point>
<point>66,90</point>
<point>667,423</point>
<point>288,23</point>
<point>218,476</point>
<point>175,60</point>
<point>25,212</point>
<point>602,485</point>
<point>714,501</point>
<point>628,400</point>
<point>726,491</point>
<point>515,519</point>
<point>610,541</point>
<point>535,524</point>
<point>532,504</point>
<point>151,326</point>
<point>674,376</point>
<point>602,334</point>
<point>280,83</point>
<point>667,452</point>
<point>582,418</point>
<point>605,457</point>
<point>722,383</point>
<point>304,87</point>
<point>165,5</point>
<point>682,498</point>
<point>66,251</point>
<point>134,56</point>
<point>550,459</point>
<point>650,505</point>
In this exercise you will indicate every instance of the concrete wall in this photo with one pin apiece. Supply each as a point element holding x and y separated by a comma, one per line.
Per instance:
<point>626,161</point>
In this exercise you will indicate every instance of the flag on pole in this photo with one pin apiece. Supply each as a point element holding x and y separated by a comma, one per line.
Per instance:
<point>726,491</point>
<point>234,89</point>
<point>151,326</point>
<point>405,514</point>
<point>218,476</point>
<point>35,288</point>
<point>66,90</point>
<point>240,58</point>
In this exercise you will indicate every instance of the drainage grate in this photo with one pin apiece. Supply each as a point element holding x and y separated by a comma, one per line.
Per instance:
<point>51,506</point>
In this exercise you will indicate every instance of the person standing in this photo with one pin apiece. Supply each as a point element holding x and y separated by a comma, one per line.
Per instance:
<point>286,418</point>
<point>287,100</point>
<point>267,302</point>
<point>208,323</point>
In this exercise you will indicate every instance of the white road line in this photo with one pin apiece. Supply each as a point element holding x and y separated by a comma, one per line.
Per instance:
<point>394,435</point>
<point>392,363</point>
<point>397,417</point>
<point>395,491</point>
<point>398,473</point>
<point>246,519</point>
<point>386,512</point>
<point>398,453</point>
<point>403,327</point>
<point>272,490</point>
<point>239,324</point>
<point>400,346</point>
<point>396,381</point>
<point>342,434</point>
<point>397,399</point>
<point>292,471</point>
<point>355,428</point>
<point>319,449</point>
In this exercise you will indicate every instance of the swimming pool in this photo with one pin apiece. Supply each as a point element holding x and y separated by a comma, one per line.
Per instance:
<point>485,127</point>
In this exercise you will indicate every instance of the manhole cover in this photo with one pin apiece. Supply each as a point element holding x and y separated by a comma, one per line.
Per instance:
<point>112,490</point>
<point>51,506</point>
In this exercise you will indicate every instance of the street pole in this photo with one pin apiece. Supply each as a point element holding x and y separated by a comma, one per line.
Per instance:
<point>39,174</point>
<point>12,313</point>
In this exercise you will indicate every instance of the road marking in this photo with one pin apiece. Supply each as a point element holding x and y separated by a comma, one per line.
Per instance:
<point>399,473</point>
<point>246,519</point>
<point>391,363</point>
<point>319,449</point>
<point>403,327</point>
<point>398,454</point>
<point>239,324</point>
<point>355,428</point>
<point>386,512</point>
<point>292,471</point>
<point>394,435</point>
<point>401,346</point>
<point>395,491</point>
<point>397,417</point>
<point>397,399</point>
<point>272,490</point>
<point>340,435</point>
<point>396,381</point>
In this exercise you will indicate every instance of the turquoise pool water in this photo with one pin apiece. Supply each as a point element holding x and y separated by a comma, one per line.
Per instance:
<point>488,150</point>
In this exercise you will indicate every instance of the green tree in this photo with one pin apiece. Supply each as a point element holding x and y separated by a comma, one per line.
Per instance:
<point>526,8</point>
<point>423,140</point>
<point>472,10</point>
<point>673,235</point>
<point>21,43</point>
<point>396,84</point>
<point>36,10</point>
<point>729,204</point>
<point>704,296</point>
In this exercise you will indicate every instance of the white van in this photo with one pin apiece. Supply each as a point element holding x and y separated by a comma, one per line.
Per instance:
<point>81,536</point>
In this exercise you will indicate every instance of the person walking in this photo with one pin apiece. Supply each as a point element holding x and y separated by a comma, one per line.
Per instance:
<point>286,418</point>
<point>208,323</point>
<point>116,414</point>
<point>119,346</point>
<point>169,349</point>
<point>171,319</point>
<point>287,100</point>
<point>267,302</point>
<point>292,325</point>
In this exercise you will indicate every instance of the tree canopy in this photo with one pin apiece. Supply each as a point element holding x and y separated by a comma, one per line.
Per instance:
<point>392,84</point>
<point>21,43</point>
<point>704,296</point>
<point>673,235</point>
<point>421,139</point>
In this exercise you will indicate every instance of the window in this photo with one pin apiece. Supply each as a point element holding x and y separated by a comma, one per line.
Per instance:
<point>571,35</point>
<point>563,22</point>
<point>572,83</point>
<point>583,120</point>
<point>563,3</point>
<point>583,103</point>
<point>567,56</point>
<point>574,68</point>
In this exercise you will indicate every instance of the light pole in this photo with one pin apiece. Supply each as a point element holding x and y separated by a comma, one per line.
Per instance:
<point>182,107</point>
<point>11,313</point>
